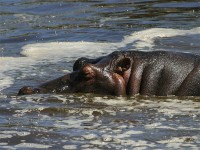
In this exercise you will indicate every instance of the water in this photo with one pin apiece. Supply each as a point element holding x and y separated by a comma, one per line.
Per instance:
<point>40,40</point>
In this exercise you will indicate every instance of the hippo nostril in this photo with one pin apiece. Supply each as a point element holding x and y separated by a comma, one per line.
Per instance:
<point>25,90</point>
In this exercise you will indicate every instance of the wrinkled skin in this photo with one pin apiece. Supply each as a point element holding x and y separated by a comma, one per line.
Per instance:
<point>128,73</point>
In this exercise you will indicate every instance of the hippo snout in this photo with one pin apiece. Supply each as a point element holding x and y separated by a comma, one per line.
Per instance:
<point>26,90</point>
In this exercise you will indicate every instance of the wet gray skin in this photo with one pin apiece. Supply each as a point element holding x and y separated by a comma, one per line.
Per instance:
<point>129,73</point>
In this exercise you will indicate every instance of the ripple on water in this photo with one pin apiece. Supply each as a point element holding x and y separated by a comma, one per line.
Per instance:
<point>90,121</point>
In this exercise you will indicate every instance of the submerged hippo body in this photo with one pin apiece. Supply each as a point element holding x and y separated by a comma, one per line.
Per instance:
<point>128,73</point>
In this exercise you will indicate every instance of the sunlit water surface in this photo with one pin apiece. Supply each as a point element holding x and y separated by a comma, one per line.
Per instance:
<point>40,40</point>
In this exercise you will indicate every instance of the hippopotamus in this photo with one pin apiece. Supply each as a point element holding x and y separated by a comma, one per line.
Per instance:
<point>158,73</point>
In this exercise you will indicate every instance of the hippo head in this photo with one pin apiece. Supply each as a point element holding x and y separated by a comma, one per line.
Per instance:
<point>104,75</point>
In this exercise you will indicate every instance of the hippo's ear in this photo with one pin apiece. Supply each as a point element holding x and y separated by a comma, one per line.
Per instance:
<point>122,66</point>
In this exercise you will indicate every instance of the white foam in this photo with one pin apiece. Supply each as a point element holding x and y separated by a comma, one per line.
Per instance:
<point>11,64</point>
<point>32,145</point>
<point>16,132</point>
<point>70,147</point>
<point>144,40</point>
<point>59,51</point>
<point>179,142</point>
<point>56,51</point>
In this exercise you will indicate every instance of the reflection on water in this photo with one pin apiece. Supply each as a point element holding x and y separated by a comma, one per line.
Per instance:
<point>89,121</point>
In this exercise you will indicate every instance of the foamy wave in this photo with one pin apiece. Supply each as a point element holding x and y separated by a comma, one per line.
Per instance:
<point>56,51</point>
<point>144,40</point>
